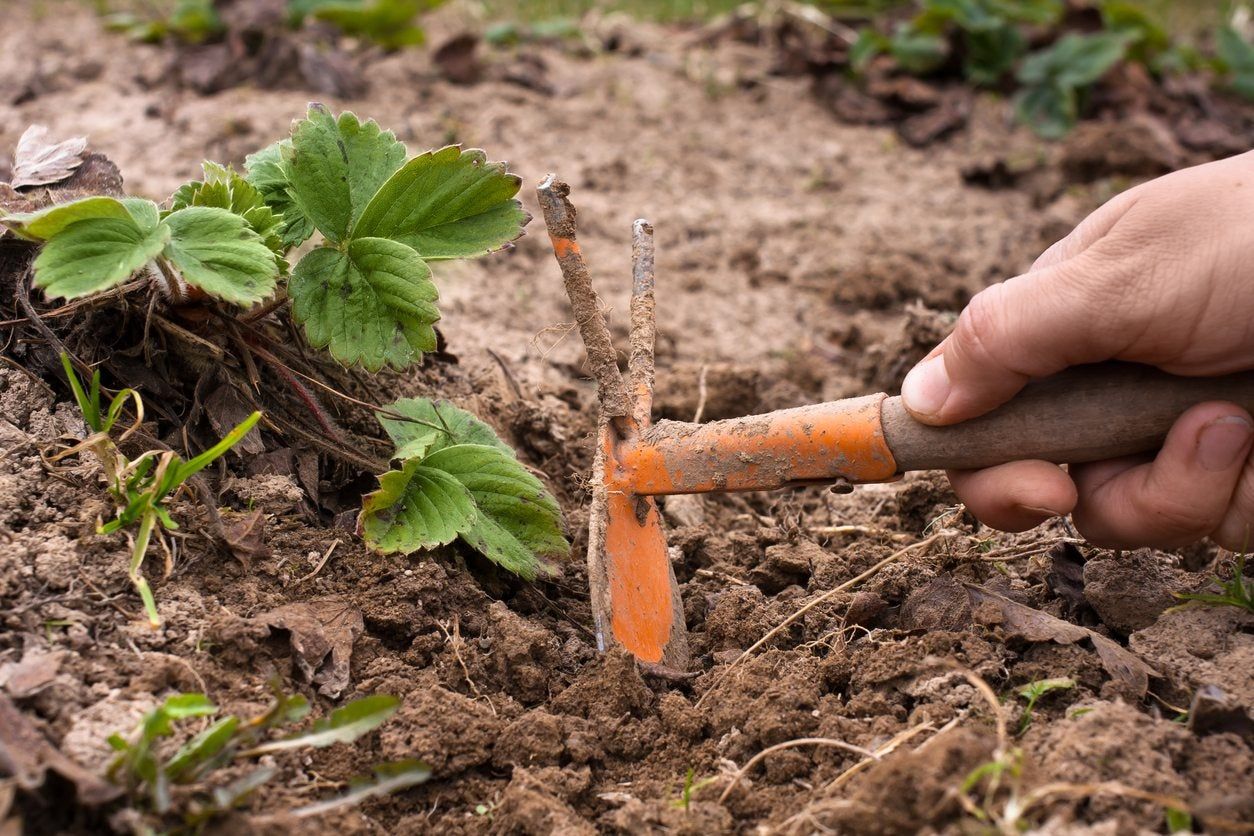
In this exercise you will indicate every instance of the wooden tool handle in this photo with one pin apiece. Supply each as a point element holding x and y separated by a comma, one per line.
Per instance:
<point>1084,414</point>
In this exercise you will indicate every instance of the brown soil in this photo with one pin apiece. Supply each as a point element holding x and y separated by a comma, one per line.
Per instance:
<point>799,259</point>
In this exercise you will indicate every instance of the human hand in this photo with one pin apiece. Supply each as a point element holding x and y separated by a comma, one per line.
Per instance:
<point>1163,274</point>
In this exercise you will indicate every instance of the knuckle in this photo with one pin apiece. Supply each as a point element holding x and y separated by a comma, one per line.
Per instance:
<point>980,326</point>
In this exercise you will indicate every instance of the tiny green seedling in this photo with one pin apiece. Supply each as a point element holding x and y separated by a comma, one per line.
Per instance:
<point>148,776</point>
<point>143,486</point>
<point>1238,592</point>
<point>691,787</point>
<point>1033,691</point>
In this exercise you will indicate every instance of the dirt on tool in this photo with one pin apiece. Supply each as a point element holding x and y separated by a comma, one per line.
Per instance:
<point>859,657</point>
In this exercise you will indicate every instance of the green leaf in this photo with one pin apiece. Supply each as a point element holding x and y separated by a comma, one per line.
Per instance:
<point>447,204</point>
<point>864,50</point>
<point>345,725</point>
<point>519,522</point>
<point>217,252</point>
<point>991,54</point>
<point>415,508</point>
<point>917,52</point>
<point>1148,36</point>
<point>144,212</point>
<point>201,748</point>
<point>223,188</point>
<point>1076,60</point>
<point>387,778</point>
<point>234,793</point>
<point>373,304</point>
<point>44,224</point>
<point>94,254</point>
<point>1237,55</point>
<point>337,166</point>
<point>434,426</point>
<point>195,21</point>
<point>388,23</point>
<point>267,170</point>
<point>1047,109</point>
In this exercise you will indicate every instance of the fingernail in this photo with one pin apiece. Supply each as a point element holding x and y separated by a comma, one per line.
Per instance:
<point>1223,443</point>
<point>926,388</point>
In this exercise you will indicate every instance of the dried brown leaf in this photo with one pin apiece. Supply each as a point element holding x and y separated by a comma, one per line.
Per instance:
<point>226,409</point>
<point>246,538</point>
<point>323,634</point>
<point>35,672</point>
<point>1034,625</point>
<point>27,755</point>
<point>39,162</point>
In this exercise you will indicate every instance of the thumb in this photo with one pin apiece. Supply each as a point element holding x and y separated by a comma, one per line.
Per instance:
<point>1030,326</point>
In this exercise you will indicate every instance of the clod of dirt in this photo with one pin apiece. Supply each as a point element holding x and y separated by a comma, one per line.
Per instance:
<point>271,492</point>
<point>1130,591</point>
<point>884,365</point>
<point>735,618</point>
<point>907,789</point>
<point>524,655</point>
<point>323,634</point>
<point>785,564</point>
<point>1115,742</point>
<point>529,805</point>
<point>450,731</point>
<point>608,689</point>
<point>537,738</point>
<point>658,817</point>
<point>941,604</point>
<point>86,740</point>
<point>1213,711</point>
<point>458,59</point>
<point>1199,646</point>
<point>1138,147</point>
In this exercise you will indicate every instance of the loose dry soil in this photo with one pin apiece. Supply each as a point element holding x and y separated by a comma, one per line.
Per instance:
<point>799,259</point>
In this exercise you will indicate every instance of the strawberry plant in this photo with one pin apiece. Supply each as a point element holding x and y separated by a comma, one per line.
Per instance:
<point>1055,80</point>
<point>362,291</point>
<point>391,24</point>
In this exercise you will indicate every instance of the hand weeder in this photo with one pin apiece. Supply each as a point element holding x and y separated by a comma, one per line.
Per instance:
<point>1084,414</point>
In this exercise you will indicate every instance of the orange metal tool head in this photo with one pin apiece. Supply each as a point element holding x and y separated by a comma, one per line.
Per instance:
<point>635,598</point>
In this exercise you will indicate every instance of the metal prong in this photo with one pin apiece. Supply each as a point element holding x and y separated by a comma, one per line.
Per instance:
<point>643,322</point>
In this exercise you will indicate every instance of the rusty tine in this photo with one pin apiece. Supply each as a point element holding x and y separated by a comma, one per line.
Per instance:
<point>643,322</point>
<point>559,217</point>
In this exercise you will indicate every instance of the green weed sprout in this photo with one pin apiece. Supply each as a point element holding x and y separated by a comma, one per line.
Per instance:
<point>691,788</point>
<point>148,776</point>
<point>1033,691</point>
<point>1238,592</point>
<point>140,487</point>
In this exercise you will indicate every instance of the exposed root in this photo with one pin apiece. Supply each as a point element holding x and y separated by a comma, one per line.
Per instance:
<point>792,744</point>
